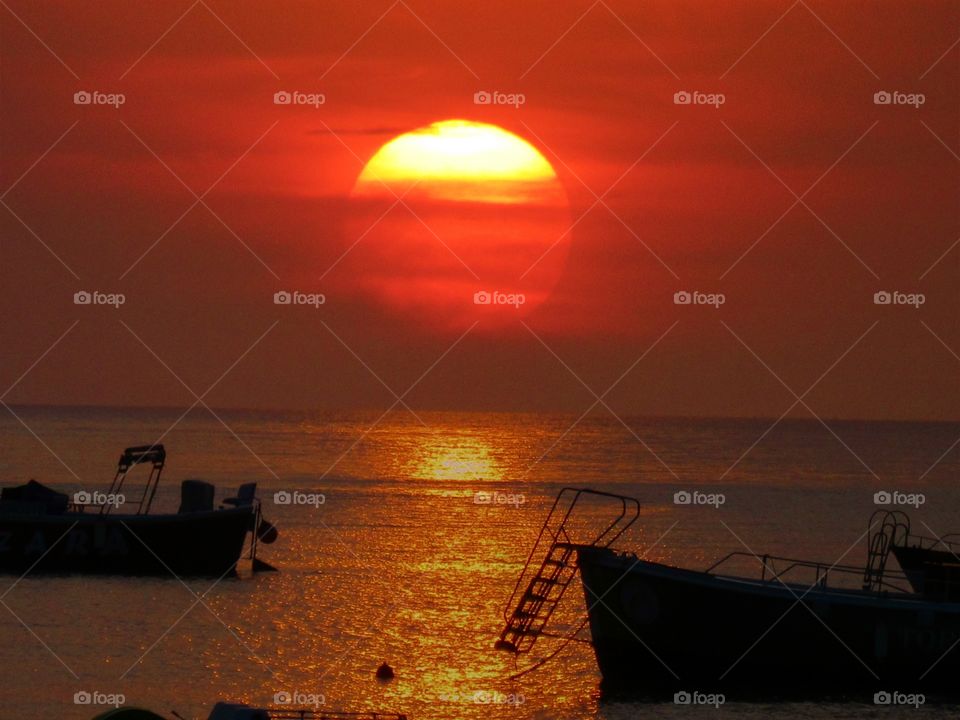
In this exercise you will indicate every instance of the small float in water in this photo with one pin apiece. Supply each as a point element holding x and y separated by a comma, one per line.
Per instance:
<point>43,531</point>
<point>794,631</point>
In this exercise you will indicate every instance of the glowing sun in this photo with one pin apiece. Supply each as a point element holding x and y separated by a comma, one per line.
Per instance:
<point>457,221</point>
<point>462,160</point>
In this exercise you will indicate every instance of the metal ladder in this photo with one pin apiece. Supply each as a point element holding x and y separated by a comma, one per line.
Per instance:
<point>894,530</point>
<point>527,613</point>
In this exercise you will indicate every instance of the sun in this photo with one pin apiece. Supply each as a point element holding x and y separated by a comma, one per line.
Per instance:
<point>454,223</point>
<point>462,160</point>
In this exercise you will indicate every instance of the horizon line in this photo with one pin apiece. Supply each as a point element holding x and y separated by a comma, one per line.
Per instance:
<point>476,411</point>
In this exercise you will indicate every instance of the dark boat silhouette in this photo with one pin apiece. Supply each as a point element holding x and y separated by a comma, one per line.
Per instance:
<point>932,566</point>
<point>660,630</point>
<point>43,531</point>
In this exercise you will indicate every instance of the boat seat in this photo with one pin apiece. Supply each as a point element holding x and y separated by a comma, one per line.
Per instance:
<point>196,496</point>
<point>245,496</point>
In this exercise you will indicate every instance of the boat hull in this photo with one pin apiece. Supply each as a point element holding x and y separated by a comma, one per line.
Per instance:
<point>658,630</point>
<point>199,543</point>
<point>933,573</point>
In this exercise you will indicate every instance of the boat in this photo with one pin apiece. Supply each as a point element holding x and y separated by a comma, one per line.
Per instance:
<point>43,531</point>
<point>795,630</point>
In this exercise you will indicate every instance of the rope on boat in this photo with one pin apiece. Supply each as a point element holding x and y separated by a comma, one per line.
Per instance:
<point>551,656</point>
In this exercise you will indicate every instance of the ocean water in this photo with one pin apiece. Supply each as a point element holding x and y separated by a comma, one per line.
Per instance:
<point>400,563</point>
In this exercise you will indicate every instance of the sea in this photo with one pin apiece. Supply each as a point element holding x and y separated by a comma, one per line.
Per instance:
<point>401,536</point>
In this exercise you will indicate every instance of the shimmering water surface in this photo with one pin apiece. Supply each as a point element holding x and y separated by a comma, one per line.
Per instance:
<point>400,563</point>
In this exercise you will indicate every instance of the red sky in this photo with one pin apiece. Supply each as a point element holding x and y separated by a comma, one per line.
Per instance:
<point>696,207</point>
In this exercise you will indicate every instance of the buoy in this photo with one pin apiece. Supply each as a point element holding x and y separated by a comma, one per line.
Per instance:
<point>384,672</point>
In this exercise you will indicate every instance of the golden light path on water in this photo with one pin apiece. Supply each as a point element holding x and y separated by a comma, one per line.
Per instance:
<point>459,459</point>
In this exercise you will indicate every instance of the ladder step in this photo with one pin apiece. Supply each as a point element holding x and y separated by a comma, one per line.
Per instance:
<point>524,632</point>
<point>546,580</point>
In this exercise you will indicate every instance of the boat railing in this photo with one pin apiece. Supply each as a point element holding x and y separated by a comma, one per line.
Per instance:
<point>777,569</point>
<point>925,542</point>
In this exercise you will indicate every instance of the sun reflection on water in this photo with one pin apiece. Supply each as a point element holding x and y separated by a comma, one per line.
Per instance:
<point>458,458</point>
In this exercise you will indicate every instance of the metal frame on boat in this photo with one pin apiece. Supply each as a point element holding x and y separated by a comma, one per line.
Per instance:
<point>657,629</point>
